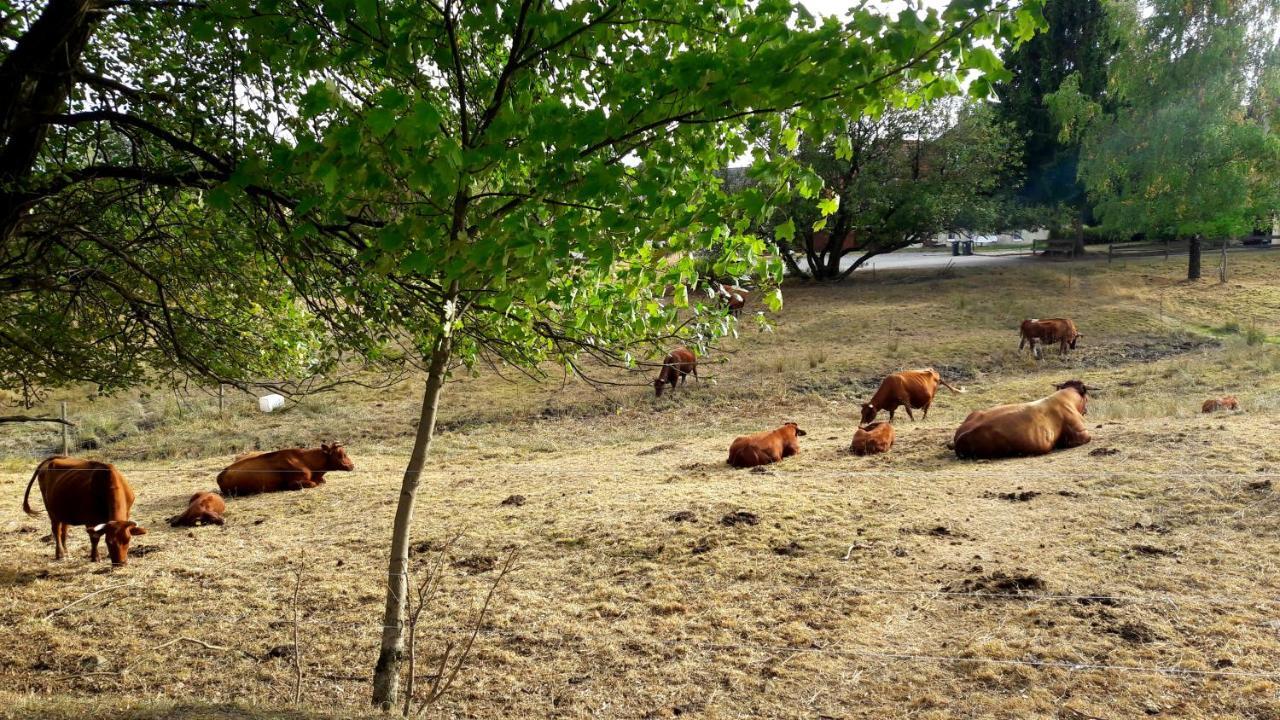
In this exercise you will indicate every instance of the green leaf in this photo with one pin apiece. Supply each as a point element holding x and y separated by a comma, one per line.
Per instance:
<point>785,231</point>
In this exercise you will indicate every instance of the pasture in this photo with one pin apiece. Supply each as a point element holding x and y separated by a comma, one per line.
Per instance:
<point>1134,576</point>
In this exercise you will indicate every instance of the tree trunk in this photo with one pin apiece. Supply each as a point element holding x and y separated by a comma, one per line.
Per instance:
<point>1077,250</point>
<point>35,79</point>
<point>1193,258</point>
<point>386,676</point>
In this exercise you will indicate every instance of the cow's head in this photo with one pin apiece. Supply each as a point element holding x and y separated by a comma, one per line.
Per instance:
<point>1080,388</point>
<point>796,428</point>
<point>659,384</point>
<point>337,457</point>
<point>869,412</point>
<point>117,533</point>
<point>1074,338</point>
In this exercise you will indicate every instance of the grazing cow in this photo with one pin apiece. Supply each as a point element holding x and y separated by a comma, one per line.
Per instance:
<point>1223,403</point>
<point>1033,428</point>
<point>677,365</point>
<point>765,447</point>
<point>873,439</point>
<point>910,389</point>
<point>204,508</point>
<point>292,469</point>
<point>1047,332</point>
<point>89,493</point>
<point>733,296</point>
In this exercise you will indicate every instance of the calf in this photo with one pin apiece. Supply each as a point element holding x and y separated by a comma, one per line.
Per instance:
<point>873,439</point>
<point>204,508</point>
<point>677,365</point>
<point>89,493</point>
<point>292,469</point>
<point>1053,330</point>
<point>1223,403</point>
<point>765,447</point>
<point>910,389</point>
<point>1033,428</point>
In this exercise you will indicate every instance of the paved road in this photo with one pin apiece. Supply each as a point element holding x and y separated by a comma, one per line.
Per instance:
<point>931,260</point>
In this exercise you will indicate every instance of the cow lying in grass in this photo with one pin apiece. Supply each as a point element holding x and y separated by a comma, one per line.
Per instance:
<point>292,469</point>
<point>1223,403</point>
<point>204,508</point>
<point>873,439</point>
<point>1032,428</point>
<point>765,447</point>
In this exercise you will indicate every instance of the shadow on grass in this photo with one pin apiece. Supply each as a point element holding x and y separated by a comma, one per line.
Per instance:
<point>64,708</point>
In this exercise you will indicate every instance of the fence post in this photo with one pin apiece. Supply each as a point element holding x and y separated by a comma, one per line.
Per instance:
<point>66,431</point>
<point>220,396</point>
<point>1222,269</point>
<point>1111,248</point>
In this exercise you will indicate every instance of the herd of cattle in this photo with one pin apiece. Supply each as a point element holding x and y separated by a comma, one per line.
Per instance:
<point>96,495</point>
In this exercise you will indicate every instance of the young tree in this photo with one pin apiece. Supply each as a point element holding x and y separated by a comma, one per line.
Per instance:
<point>1182,154</point>
<point>897,179</point>
<point>542,171</point>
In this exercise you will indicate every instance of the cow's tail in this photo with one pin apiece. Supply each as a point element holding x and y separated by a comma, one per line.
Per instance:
<point>26,496</point>
<point>949,386</point>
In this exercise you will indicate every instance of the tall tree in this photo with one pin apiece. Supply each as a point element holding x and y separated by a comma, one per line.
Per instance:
<point>896,179</point>
<point>1077,42</point>
<point>1187,152</point>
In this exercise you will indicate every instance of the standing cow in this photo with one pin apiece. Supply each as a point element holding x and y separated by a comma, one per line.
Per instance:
<point>1046,332</point>
<point>292,469</point>
<point>1033,428</point>
<point>89,493</point>
<point>677,365</point>
<point>910,389</point>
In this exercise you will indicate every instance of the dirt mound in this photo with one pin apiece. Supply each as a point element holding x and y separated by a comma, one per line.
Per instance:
<point>999,583</point>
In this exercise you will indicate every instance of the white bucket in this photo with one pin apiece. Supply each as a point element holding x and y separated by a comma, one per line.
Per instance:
<point>267,403</point>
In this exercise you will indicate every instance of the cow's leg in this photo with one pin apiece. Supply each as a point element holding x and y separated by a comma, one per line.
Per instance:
<point>1074,433</point>
<point>213,518</point>
<point>1023,343</point>
<point>93,540</point>
<point>317,477</point>
<point>695,373</point>
<point>926,411</point>
<point>908,409</point>
<point>59,539</point>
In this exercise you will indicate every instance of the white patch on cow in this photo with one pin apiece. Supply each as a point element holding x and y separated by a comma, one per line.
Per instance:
<point>100,528</point>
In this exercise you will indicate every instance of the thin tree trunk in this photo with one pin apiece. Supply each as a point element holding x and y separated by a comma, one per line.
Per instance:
<point>386,676</point>
<point>1078,249</point>
<point>1193,258</point>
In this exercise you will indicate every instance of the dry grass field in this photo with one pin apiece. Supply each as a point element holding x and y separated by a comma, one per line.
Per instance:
<point>1136,576</point>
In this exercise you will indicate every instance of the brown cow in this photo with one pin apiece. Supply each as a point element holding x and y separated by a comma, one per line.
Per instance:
<point>292,469</point>
<point>677,365</point>
<point>910,389</point>
<point>873,439</point>
<point>204,508</point>
<point>1223,403</point>
<point>733,296</point>
<point>765,447</point>
<point>89,493</point>
<point>1052,330</point>
<point>1033,428</point>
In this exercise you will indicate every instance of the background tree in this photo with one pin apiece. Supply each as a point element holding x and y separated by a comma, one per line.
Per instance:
<point>897,179</point>
<point>1183,154</point>
<point>1077,42</point>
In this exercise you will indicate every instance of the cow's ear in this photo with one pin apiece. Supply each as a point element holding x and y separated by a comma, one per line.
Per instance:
<point>800,433</point>
<point>324,446</point>
<point>135,530</point>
